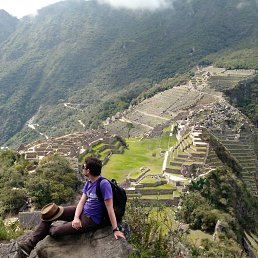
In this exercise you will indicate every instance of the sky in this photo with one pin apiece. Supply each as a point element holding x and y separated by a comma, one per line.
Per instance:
<point>20,8</point>
<point>137,4</point>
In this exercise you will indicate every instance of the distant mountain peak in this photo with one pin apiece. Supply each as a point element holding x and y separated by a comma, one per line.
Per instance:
<point>7,24</point>
<point>4,13</point>
<point>82,52</point>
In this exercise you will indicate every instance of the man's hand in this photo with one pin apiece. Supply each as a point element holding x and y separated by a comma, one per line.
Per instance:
<point>118,234</point>
<point>76,223</point>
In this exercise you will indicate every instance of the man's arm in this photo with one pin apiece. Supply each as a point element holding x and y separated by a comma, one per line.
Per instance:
<point>76,223</point>
<point>112,217</point>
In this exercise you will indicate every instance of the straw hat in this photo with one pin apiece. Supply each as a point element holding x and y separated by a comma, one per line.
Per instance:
<point>51,212</point>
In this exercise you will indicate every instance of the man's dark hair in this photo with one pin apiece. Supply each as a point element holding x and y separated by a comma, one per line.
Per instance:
<point>94,165</point>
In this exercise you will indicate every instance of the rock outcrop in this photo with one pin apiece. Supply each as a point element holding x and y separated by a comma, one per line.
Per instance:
<point>9,250</point>
<point>98,244</point>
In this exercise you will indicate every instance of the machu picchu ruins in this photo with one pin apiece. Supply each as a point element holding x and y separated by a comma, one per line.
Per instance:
<point>129,129</point>
<point>196,106</point>
<point>191,111</point>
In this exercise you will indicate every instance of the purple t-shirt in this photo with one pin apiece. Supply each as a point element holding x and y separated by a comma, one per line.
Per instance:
<point>93,207</point>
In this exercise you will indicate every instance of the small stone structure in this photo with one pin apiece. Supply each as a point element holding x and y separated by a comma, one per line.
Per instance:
<point>29,219</point>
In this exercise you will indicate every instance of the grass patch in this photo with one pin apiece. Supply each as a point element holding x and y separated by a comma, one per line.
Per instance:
<point>10,230</point>
<point>163,213</point>
<point>157,196</point>
<point>167,129</point>
<point>176,193</point>
<point>145,153</point>
<point>193,162</point>
<point>197,235</point>
<point>135,174</point>
<point>103,155</point>
<point>166,186</point>
<point>180,176</point>
<point>175,167</point>
<point>97,146</point>
<point>149,180</point>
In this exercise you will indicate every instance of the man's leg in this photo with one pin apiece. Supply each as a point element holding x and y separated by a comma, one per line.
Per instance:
<point>68,213</point>
<point>42,230</point>
<point>67,229</point>
<point>38,234</point>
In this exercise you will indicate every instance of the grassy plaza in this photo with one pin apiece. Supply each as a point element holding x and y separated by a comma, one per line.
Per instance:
<point>148,153</point>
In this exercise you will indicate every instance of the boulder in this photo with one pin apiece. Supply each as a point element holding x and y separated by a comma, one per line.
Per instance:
<point>97,244</point>
<point>9,250</point>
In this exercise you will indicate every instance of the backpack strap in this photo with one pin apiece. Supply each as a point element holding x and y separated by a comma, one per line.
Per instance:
<point>105,219</point>
<point>98,190</point>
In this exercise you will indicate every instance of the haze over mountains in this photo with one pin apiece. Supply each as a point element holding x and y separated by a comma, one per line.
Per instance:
<point>83,61</point>
<point>7,23</point>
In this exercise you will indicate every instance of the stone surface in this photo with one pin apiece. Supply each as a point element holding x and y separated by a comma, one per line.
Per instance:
<point>29,219</point>
<point>98,244</point>
<point>9,250</point>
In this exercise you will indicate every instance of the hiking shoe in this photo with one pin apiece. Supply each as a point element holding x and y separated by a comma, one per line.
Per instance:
<point>25,248</point>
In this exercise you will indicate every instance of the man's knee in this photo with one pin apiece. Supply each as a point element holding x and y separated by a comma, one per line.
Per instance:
<point>53,231</point>
<point>62,229</point>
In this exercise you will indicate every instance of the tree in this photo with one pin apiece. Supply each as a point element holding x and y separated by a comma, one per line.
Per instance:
<point>39,190</point>
<point>221,196</point>
<point>54,181</point>
<point>129,126</point>
<point>11,200</point>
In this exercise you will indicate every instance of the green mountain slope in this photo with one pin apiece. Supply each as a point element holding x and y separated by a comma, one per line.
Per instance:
<point>99,59</point>
<point>7,24</point>
<point>244,97</point>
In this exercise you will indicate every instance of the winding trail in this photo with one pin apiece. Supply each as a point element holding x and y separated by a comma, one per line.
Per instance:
<point>34,126</point>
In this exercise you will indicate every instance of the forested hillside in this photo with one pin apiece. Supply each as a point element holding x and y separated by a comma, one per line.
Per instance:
<point>73,59</point>
<point>244,96</point>
<point>55,181</point>
<point>7,25</point>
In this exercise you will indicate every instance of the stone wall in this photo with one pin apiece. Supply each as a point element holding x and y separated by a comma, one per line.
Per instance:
<point>151,191</point>
<point>223,154</point>
<point>153,184</point>
<point>165,202</point>
<point>29,219</point>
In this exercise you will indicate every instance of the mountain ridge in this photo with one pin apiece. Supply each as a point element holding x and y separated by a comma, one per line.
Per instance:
<point>103,58</point>
<point>8,24</point>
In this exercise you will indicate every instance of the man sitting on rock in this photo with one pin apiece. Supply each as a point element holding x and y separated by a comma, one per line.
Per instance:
<point>85,217</point>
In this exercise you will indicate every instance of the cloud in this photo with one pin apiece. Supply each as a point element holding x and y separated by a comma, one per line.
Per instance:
<point>245,3</point>
<point>242,4</point>
<point>138,4</point>
<point>21,8</point>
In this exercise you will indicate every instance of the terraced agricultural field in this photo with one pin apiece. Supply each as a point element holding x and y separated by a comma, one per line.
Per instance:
<point>242,149</point>
<point>225,82</point>
<point>190,150</point>
<point>146,153</point>
<point>155,111</point>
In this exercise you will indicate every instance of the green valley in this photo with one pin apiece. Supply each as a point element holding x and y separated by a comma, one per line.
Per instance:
<point>101,59</point>
<point>165,98</point>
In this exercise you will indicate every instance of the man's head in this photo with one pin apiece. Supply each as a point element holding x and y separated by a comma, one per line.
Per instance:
<point>94,166</point>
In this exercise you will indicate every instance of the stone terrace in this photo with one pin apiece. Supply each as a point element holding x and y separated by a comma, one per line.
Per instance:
<point>235,132</point>
<point>158,104</point>
<point>69,146</point>
<point>155,111</point>
<point>187,156</point>
<point>152,190</point>
<point>222,79</point>
<point>241,147</point>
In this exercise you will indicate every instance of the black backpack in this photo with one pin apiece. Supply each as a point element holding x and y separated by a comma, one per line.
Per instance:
<point>119,200</point>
